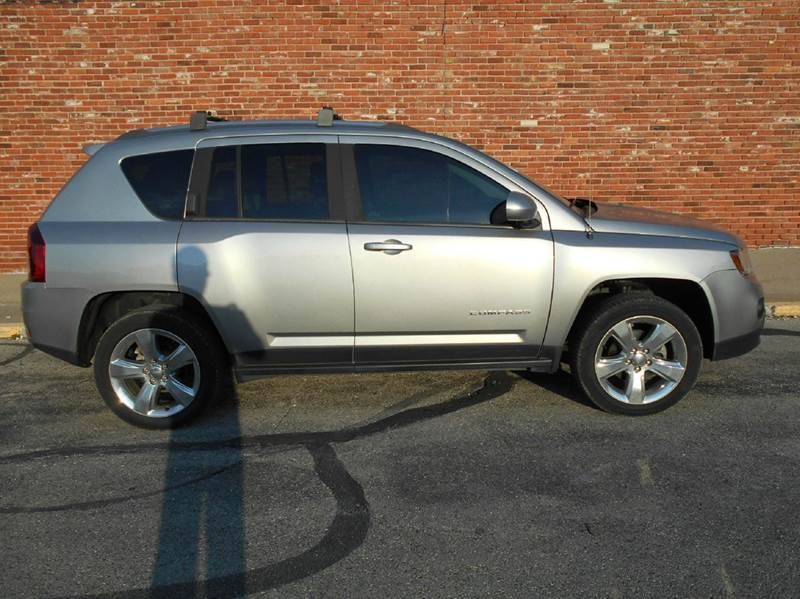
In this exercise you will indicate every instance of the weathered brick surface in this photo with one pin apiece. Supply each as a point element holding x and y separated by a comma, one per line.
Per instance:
<point>691,106</point>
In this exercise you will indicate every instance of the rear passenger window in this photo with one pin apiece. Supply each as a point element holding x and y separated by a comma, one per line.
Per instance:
<point>284,181</point>
<point>269,181</point>
<point>160,180</point>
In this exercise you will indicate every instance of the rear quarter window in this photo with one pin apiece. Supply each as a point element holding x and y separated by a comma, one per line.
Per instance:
<point>160,180</point>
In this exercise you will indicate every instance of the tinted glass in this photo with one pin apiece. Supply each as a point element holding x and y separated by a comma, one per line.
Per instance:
<point>473,196</point>
<point>401,184</point>
<point>160,180</point>
<point>284,181</point>
<point>222,195</point>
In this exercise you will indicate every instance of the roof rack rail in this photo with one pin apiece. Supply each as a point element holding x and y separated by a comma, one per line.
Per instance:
<point>200,118</point>
<point>326,117</point>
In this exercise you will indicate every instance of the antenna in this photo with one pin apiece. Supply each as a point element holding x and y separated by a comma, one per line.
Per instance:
<point>590,203</point>
<point>591,198</point>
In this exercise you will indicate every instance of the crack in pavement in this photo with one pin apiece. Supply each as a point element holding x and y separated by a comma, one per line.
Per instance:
<point>100,503</point>
<point>28,349</point>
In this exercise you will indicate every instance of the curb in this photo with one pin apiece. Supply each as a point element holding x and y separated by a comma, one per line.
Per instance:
<point>775,310</point>
<point>12,331</point>
<point>784,310</point>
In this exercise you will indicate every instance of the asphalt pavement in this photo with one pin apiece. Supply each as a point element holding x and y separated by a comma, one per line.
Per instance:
<point>459,484</point>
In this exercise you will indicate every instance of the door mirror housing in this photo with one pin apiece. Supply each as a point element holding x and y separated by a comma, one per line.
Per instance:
<point>518,210</point>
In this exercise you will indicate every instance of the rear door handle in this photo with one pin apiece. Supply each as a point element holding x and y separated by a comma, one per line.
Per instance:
<point>390,246</point>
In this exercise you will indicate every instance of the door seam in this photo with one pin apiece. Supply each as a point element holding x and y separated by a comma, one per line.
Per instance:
<point>349,249</point>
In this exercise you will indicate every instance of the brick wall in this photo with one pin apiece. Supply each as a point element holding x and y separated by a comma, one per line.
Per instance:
<point>690,106</point>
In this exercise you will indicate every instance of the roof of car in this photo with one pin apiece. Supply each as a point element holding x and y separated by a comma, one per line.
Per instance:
<point>186,136</point>
<point>222,128</point>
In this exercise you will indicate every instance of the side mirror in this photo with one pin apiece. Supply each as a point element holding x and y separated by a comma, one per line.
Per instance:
<point>519,210</point>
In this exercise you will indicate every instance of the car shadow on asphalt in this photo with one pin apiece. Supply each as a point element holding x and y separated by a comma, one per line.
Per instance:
<point>779,333</point>
<point>559,383</point>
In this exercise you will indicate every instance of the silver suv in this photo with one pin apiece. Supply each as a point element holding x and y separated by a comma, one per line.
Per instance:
<point>178,255</point>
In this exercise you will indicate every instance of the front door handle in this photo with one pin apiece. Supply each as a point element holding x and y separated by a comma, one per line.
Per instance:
<point>390,246</point>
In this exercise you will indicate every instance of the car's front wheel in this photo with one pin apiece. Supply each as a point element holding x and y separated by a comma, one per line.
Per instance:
<point>636,354</point>
<point>158,367</point>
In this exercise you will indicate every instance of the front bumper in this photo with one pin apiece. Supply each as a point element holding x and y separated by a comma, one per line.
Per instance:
<point>738,304</point>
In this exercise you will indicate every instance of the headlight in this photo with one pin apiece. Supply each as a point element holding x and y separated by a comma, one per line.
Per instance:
<point>741,259</point>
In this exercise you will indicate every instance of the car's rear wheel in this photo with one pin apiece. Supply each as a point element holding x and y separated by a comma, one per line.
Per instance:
<point>636,354</point>
<point>158,367</point>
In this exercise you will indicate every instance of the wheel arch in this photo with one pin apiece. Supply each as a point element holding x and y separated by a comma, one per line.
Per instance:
<point>688,295</point>
<point>104,309</point>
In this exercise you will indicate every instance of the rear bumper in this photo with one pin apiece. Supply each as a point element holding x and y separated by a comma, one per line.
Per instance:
<point>738,313</point>
<point>737,346</point>
<point>52,317</point>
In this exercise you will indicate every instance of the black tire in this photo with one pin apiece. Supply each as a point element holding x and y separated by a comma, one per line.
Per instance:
<point>591,329</point>
<point>211,357</point>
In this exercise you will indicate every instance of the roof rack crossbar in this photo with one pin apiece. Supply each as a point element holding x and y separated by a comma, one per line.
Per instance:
<point>326,117</point>
<point>200,119</point>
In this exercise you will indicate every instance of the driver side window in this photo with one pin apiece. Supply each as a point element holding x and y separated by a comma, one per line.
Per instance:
<point>403,184</point>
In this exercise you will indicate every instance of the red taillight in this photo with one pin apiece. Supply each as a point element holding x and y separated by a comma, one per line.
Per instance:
<point>741,260</point>
<point>36,254</point>
<point>737,261</point>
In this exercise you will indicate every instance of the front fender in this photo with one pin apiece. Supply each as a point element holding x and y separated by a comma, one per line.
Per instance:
<point>582,263</point>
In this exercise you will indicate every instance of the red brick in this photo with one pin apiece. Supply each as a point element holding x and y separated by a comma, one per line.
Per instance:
<point>693,107</point>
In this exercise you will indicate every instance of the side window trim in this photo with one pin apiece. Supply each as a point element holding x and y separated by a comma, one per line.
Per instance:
<point>351,194</point>
<point>336,203</point>
<point>200,179</point>
<point>239,201</point>
<point>197,196</point>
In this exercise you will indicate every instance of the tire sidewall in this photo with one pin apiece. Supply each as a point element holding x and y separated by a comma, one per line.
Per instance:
<point>610,313</point>
<point>191,332</point>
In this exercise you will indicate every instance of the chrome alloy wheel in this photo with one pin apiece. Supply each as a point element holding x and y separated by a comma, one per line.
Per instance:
<point>640,360</point>
<point>154,373</point>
